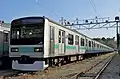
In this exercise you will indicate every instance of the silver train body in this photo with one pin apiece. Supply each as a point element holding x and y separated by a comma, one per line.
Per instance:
<point>4,45</point>
<point>32,49</point>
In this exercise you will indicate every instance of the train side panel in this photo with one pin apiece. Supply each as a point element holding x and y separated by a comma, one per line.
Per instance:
<point>60,41</point>
<point>5,62</point>
<point>4,44</point>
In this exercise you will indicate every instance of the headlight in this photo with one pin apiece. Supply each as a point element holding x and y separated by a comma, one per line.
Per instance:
<point>14,49</point>
<point>37,49</point>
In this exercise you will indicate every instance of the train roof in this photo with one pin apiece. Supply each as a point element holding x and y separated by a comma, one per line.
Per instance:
<point>26,17</point>
<point>74,30</point>
<point>65,27</point>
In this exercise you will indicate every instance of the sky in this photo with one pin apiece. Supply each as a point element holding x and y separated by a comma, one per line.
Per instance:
<point>69,9</point>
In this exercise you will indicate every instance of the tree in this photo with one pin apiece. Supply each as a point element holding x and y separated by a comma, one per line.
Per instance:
<point>103,39</point>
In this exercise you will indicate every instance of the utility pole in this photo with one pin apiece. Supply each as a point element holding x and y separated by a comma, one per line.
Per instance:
<point>118,33</point>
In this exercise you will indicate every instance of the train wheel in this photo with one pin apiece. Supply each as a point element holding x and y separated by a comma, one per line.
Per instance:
<point>59,64</point>
<point>81,58</point>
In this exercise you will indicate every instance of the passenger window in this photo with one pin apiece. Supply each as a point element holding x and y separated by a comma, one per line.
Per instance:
<point>82,42</point>
<point>59,36</point>
<point>89,43</point>
<point>59,33</point>
<point>70,39</point>
<point>94,44</point>
<point>86,42</point>
<point>63,37</point>
<point>76,40</point>
<point>97,46</point>
<point>5,37</point>
<point>51,33</point>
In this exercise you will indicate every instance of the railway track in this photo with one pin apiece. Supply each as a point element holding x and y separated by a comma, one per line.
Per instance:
<point>90,75</point>
<point>103,68</point>
<point>13,73</point>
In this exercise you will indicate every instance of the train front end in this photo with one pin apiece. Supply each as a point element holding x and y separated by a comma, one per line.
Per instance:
<point>27,44</point>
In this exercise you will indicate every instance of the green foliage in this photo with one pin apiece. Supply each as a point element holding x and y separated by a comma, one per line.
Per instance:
<point>107,41</point>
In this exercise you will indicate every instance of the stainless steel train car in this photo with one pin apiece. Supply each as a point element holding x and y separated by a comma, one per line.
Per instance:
<point>4,45</point>
<point>38,42</point>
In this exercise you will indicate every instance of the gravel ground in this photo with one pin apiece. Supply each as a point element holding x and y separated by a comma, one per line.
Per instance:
<point>113,69</point>
<point>69,71</point>
<point>93,72</point>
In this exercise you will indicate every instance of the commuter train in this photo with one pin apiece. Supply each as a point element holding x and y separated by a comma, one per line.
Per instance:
<point>39,42</point>
<point>4,45</point>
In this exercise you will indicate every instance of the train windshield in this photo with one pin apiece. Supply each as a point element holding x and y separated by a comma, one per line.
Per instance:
<point>27,34</point>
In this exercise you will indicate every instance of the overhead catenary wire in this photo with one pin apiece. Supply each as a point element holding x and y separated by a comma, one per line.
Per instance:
<point>55,13</point>
<point>94,7</point>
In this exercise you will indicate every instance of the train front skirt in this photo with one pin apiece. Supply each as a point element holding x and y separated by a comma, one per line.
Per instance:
<point>37,65</point>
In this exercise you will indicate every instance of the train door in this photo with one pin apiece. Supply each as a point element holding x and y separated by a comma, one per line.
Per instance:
<point>61,42</point>
<point>77,43</point>
<point>86,44</point>
<point>5,43</point>
<point>52,41</point>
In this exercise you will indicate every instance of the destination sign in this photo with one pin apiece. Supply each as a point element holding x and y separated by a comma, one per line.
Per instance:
<point>31,21</point>
<point>28,21</point>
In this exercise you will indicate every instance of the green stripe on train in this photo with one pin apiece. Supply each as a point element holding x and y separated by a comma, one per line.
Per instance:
<point>66,46</point>
<point>74,47</point>
<point>56,46</point>
<point>69,47</point>
<point>6,48</point>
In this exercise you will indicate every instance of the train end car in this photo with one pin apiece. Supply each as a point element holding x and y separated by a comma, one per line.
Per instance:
<point>27,44</point>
